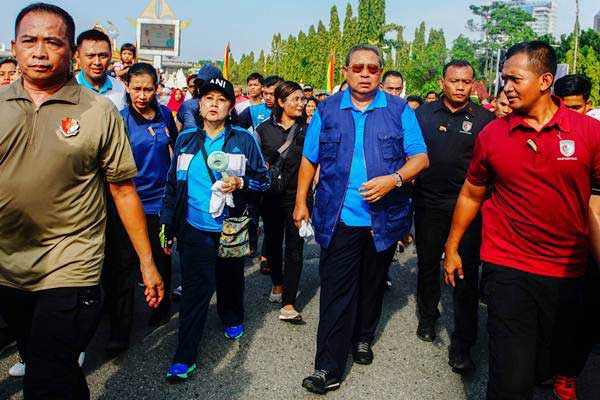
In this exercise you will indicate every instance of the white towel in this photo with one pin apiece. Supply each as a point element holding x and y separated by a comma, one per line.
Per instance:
<point>306,230</point>
<point>218,199</point>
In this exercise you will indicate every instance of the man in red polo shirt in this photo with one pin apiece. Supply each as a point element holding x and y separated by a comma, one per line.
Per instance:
<point>543,162</point>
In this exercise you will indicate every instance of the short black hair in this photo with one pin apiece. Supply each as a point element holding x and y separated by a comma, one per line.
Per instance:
<point>393,73</point>
<point>542,57</point>
<point>458,64</point>
<point>93,35</point>
<point>418,99</point>
<point>142,68</point>
<point>7,60</point>
<point>272,80</point>
<point>49,9</point>
<point>255,76</point>
<point>129,46</point>
<point>432,92</point>
<point>573,85</point>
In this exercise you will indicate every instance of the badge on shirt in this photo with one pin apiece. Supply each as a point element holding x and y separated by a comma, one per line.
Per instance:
<point>567,147</point>
<point>69,127</point>
<point>467,126</point>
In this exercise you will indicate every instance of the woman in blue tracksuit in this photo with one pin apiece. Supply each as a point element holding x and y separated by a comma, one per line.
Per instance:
<point>185,215</point>
<point>152,133</point>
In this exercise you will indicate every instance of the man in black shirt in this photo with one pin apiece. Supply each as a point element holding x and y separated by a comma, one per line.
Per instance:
<point>450,126</point>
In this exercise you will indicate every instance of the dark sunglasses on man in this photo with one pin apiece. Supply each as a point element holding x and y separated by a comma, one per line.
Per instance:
<point>372,68</point>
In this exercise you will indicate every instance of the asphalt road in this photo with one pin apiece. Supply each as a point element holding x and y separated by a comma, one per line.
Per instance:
<point>271,360</point>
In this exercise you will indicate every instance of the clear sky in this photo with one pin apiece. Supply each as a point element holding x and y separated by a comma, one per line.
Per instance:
<point>250,24</point>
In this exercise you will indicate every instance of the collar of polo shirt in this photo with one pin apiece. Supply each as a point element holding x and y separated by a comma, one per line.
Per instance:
<point>105,87</point>
<point>69,93</point>
<point>559,119</point>
<point>379,101</point>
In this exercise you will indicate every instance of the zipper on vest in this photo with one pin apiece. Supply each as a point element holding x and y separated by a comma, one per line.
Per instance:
<point>367,172</point>
<point>339,212</point>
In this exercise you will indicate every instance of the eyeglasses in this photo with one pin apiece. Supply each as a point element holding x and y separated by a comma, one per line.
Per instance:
<point>372,68</point>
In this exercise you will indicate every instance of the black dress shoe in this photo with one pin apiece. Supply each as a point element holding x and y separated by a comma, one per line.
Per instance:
<point>460,360</point>
<point>320,382</point>
<point>426,331</point>
<point>362,353</point>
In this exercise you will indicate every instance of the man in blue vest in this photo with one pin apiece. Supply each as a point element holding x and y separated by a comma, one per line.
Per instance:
<point>367,144</point>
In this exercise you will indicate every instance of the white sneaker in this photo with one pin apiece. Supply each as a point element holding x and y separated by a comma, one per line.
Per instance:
<point>275,298</point>
<point>289,316</point>
<point>18,370</point>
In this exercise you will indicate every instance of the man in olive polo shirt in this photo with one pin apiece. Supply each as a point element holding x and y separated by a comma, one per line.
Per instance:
<point>59,143</point>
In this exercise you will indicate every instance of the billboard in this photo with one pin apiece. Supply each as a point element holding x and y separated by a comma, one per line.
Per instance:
<point>158,37</point>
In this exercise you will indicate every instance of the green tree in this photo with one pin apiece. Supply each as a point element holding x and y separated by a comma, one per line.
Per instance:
<point>592,71</point>
<point>261,63</point>
<point>350,32</point>
<point>371,21</point>
<point>463,48</point>
<point>402,48</point>
<point>335,40</point>
<point>504,24</point>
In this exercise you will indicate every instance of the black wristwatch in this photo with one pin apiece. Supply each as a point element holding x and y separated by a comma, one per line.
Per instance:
<point>399,180</point>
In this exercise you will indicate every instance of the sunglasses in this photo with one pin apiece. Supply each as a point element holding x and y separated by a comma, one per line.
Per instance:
<point>358,68</point>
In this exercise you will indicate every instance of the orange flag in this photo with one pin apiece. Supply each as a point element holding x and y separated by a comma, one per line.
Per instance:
<point>331,72</point>
<point>226,63</point>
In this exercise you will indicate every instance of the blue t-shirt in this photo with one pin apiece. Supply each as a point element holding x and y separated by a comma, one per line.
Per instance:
<point>150,142</point>
<point>199,184</point>
<point>259,113</point>
<point>188,114</point>
<point>355,210</point>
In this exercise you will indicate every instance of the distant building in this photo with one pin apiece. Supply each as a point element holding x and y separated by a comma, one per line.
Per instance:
<point>544,12</point>
<point>597,22</point>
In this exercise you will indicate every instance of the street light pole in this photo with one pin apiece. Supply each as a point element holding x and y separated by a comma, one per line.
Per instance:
<point>576,36</point>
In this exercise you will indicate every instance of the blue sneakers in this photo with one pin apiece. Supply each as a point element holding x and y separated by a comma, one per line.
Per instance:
<point>234,332</point>
<point>180,372</point>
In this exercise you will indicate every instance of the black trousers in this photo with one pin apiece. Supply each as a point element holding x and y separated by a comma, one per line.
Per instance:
<point>352,284</point>
<point>120,274</point>
<point>52,326</point>
<point>432,227</point>
<point>527,313</point>
<point>201,272</point>
<point>279,226</point>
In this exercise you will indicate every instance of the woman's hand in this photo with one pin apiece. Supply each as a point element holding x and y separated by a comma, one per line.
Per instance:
<point>231,184</point>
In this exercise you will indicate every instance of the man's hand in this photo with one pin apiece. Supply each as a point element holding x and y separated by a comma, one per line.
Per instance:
<point>155,290</point>
<point>301,213</point>
<point>166,238</point>
<point>231,184</point>
<point>452,265</point>
<point>376,188</point>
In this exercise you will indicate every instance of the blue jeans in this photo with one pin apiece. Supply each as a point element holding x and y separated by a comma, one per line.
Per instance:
<point>201,272</point>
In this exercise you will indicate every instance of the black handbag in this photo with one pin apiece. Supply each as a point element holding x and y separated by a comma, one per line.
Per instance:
<point>276,169</point>
<point>235,240</point>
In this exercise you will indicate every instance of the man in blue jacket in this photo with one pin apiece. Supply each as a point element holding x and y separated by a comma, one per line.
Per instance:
<point>367,144</point>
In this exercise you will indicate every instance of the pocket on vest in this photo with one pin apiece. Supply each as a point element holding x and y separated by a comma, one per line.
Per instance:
<point>391,145</point>
<point>329,141</point>
<point>397,217</point>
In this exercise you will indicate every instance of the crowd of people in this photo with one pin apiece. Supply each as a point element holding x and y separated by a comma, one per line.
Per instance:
<point>102,178</point>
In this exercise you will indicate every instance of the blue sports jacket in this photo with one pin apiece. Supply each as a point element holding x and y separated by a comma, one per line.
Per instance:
<point>237,141</point>
<point>384,155</point>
